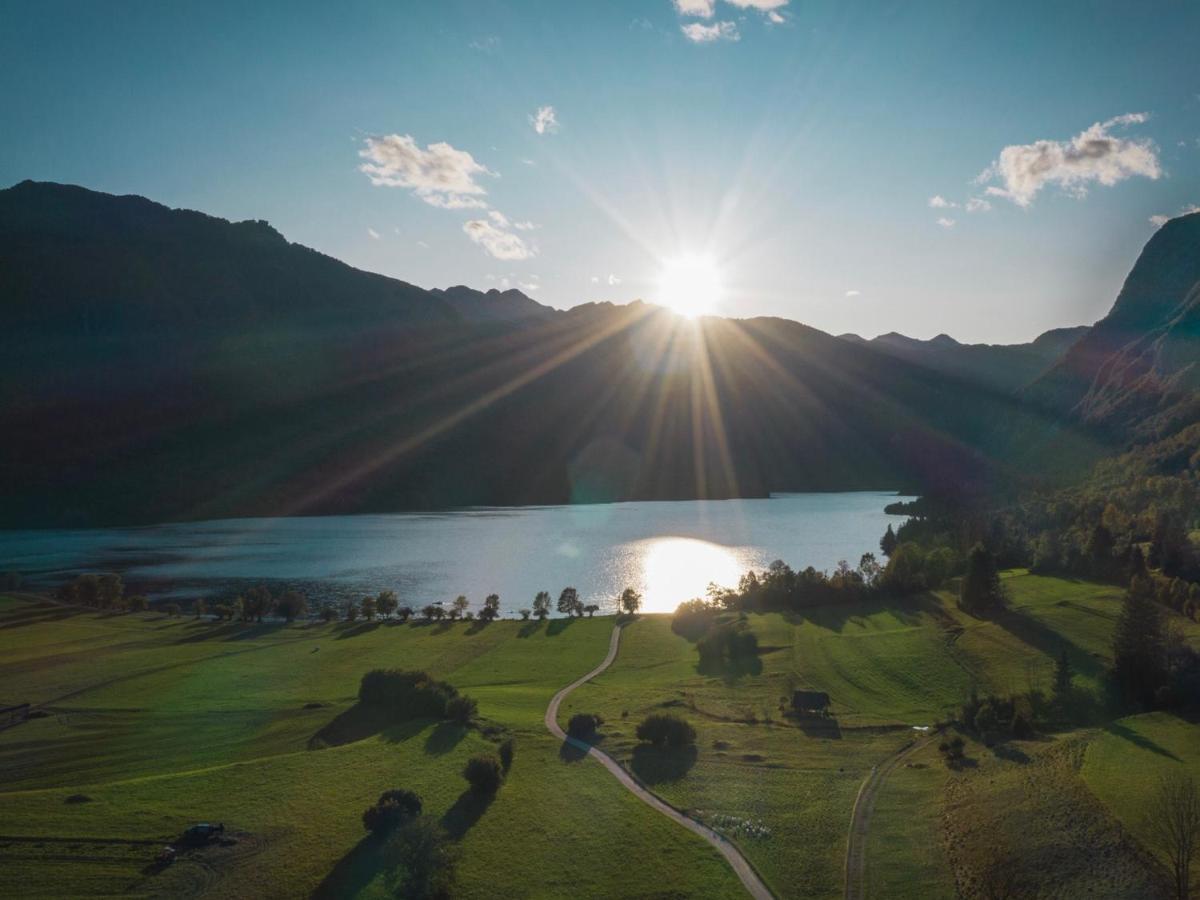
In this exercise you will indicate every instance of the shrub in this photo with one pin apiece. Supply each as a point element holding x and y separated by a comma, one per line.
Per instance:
<point>461,709</point>
<point>663,729</point>
<point>483,773</point>
<point>392,809</point>
<point>407,695</point>
<point>506,754</point>
<point>583,725</point>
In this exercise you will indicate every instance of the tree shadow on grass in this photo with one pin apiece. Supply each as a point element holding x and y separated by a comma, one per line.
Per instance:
<point>444,738</point>
<point>730,669</point>
<point>356,630</point>
<point>355,870</point>
<point>558,626</point>
<point>574,749</point>
<point>360,722</point>
<point>826,727</point>
<point>1138,740</point>
<point>531,627</point>
<point>1010,753</point>
<point>466,811</point>
<point>654,765</point>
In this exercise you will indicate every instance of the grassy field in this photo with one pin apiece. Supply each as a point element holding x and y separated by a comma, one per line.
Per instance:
<point>161,722</point>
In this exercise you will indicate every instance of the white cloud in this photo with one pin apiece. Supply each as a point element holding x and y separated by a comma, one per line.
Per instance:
<point>701,8</point>
<point>853,293</point>
<point>496,241</point>
<point>524,226</point>
<point>440,175</point>
<point>706,34</point>
<point>533,284</point>
<point>613,280</point>
<point>937,201</point>
<point>499,218</point>
<point>978,204</point>
<point>946,223</point>
<point>373,233</point>
<point>595,279</point>
<point>775,18</point>
<point>761,5</point>
<point>423,245</point>
<point>1094,155</point>
<point>545,120</point>
<point>486,44</point>
<point>1161,220</point>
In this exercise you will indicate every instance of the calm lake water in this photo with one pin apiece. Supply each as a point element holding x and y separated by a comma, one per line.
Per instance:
<point>668,550</point>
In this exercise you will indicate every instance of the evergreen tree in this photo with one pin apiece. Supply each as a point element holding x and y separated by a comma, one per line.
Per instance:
<point>888,542</point>
<point>1138,643</point>
<point>981,588</point>
<point>1099,550</point>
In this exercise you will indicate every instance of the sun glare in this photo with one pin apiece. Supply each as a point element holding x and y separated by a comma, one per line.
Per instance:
<point>676,569</point>
<point>689,285</point>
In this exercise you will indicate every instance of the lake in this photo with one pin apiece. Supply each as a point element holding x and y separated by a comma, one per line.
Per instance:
<point>668,550</point>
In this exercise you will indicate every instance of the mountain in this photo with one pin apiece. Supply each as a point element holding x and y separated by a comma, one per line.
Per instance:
<point>164,364</point>
<point>1139,366</point>
<point>1001,367</point>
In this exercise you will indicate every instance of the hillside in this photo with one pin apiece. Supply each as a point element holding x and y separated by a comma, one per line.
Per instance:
<point>167,365</point>
<point>1001,367</point>
<point>1141,359</point>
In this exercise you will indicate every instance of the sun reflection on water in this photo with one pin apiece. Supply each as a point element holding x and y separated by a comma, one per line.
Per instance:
<point>676,569</point>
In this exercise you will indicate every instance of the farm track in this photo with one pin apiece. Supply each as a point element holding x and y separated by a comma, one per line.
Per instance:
<point>741,866</point>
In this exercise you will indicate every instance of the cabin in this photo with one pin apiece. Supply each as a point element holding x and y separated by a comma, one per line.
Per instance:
<point>810,703</point>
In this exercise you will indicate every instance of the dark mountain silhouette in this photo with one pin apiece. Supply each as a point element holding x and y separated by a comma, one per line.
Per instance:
<point>165,364</point>
<point>1001,367</point>
<point>1137,370</point>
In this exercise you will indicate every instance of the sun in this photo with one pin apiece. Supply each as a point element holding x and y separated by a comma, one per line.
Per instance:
<point>689,285</point>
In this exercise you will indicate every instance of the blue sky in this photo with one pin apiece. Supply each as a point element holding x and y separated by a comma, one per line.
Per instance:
<point>801,154</point>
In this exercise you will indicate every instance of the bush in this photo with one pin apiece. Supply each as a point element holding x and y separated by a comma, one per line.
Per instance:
<point>663,729</point>
<point>392,809</point>
<point>693,618</point>
<point>726,644</point>
<point>583,725</point>
<point>506,754</point>
<point>483,773</point>
<point>461,709</point>
<point>406,695</point>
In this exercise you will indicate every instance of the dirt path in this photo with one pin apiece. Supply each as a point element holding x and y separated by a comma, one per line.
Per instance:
<point>741,866</point>
<point>860,819</point>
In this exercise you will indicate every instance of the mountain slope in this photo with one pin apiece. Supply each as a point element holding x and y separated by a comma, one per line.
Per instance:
<point>171,365</point>
<point>1001,367</point>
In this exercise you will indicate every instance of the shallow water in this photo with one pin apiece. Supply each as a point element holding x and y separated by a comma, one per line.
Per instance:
<point>668,550</point>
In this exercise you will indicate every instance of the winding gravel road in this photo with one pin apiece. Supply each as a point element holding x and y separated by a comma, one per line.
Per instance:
<point>749,878</point>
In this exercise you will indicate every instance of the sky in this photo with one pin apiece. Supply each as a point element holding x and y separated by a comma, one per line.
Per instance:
<point>985,170</point>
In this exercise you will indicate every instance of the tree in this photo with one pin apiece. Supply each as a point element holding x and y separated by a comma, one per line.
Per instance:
<point>138,603</point>
<point>888,542</point>
<point>386,603</point>
<point>291,605</point>
<point>981,588</point>
<point>404,613</point>
<point>505,750</point>
<point>459,606</point>
<point>199,607</point>
<point>351,611</point>
<point>172,609</point>
<point>391,810</point>
<point>869,569</point>
<point>905,572</point>
<point>258,602</point>
<point>427,856</point>
<point>568,600</point>
<point>1099,550</point>
<point>591,609</point>
<point>666,730</point>
<point>491,608</point>
<point>525,613</point>
<point>1173,827</point>
<point>110,591</point>
<point>87,589</point>
<point>328,613</point>
<point>1138,661</point>
<point>369,609</point>
<point>541,604</point>
<point>583,725</point>
<point>428,611</point>
<point>461,709</point>
<point>631,601</point>
<point>484,773</point>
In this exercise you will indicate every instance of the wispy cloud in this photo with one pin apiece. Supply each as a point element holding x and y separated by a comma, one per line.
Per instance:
<point>698,33</point>
<point>977,205</point>
<point>498,242</point>
<point>440,175</point>
<point>486,44</point>
<point>1160,220</point>
<point>946,223</point>
<point>765,6</point>
<point>373,234</point>
<point>1094,156</point>
<point>701,8</point>
<point>853,293</point>
<point>545,120</point>
<point>937,201</point>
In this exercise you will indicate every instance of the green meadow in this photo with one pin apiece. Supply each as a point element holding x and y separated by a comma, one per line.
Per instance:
<point>154,723</point>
